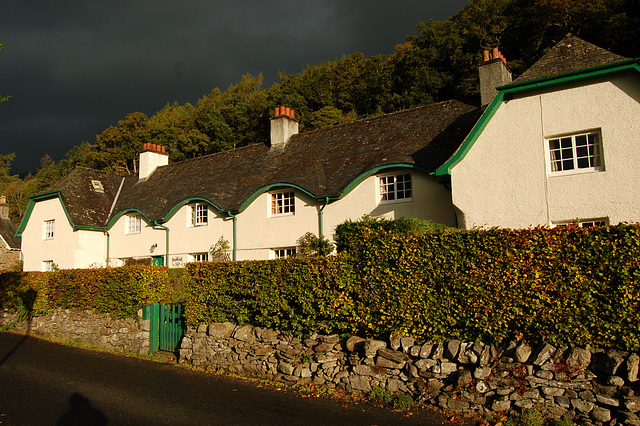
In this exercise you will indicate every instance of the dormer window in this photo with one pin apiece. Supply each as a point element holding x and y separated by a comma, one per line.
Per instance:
<point>283,203</point>
<point>199,214</point>
<point>97,186</point>
<point>395,188</point>
<point>134,224</point>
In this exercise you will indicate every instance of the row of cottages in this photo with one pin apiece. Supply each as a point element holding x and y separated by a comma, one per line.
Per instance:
<point>556,145</point>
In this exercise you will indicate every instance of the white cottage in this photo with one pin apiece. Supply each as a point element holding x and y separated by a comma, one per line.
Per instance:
<point>555,146</point>
<point>260,198</point>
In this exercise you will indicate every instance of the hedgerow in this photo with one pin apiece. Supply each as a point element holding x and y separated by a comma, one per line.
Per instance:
<point>566,286</point>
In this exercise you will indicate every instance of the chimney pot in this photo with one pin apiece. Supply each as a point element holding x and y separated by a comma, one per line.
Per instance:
<point>277,112</point>
<point>293,114</point>
<point>495,53</point>
<point>287,112</point>
<point>486,56</point>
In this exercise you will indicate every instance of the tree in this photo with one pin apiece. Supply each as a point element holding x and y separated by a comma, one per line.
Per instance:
<point>174,127</point>
<point>117,147</point>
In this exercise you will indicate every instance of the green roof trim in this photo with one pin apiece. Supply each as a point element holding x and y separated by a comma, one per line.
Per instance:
<point>266,188</point>
<point>360,178</point>
<point>121,213</point>
<point>184,202</point>
<point>48,196</point>
<point>526,86</point>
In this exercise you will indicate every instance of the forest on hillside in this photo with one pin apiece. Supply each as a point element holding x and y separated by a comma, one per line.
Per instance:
<point>437,63</point>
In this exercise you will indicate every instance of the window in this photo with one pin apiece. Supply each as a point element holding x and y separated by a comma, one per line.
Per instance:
<point>49,229</point>
<point>283,203</point>
<point>134,224</point>
<point>395,188</point>
<point>585,223</point>
<point>284,252</point>
<point>48,266</point>
<point>199,214</point>
<point>574,153</point>
<point>97,186</point>
<point>201,257</point>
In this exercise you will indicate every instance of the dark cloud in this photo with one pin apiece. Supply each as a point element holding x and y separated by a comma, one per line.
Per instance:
<point>74,68</point>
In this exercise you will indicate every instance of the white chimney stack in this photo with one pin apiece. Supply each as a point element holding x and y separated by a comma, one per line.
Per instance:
<point>283,126</point>
<point>151,157</point>
<point>493,73</point>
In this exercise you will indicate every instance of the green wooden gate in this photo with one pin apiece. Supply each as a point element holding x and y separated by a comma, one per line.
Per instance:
<point>167,326</point>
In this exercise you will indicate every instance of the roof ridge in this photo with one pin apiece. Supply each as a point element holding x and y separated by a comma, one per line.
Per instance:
<point>381,116</point>
<point>572,53</point>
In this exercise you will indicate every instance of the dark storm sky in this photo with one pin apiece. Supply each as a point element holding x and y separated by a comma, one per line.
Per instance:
<point>73,68</point>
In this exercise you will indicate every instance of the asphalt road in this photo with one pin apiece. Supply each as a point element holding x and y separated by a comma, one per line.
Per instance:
<point>43,383</point>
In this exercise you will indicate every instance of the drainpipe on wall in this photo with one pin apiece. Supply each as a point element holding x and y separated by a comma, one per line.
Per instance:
<point>235,221</point>
<point>321,216</point>
<point>107,234</point>
<point>166,256</point>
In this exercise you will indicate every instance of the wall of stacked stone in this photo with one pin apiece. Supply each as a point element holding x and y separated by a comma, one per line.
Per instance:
<point>587,386</point>
<point>128,335</point>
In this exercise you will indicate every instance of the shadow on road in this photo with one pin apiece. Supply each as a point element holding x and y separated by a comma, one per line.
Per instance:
<point>26,300</point>
<point>15,348</point>
<point>81,412</point>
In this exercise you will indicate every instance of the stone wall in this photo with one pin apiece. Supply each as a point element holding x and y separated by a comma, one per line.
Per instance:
<point>98,329</point>
<point>9,259</point>
<point>587,386</point>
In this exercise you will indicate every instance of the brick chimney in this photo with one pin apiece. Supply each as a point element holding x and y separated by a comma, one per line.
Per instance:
<point>151,157</point>
<point>283,126</point>
<point>4,208</point>
<point>493,73</point>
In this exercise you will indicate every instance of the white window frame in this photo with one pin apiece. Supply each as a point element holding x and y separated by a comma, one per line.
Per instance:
<point>134,224</point>
<point>200,257</point>
<point>47,265</point>
<point>282,203</point>
<point>585,223</point>
<point>395,188</point>
<point>575,153</point>
<point>199,214</point>
<point>284,252</point>
<point>49,229</point>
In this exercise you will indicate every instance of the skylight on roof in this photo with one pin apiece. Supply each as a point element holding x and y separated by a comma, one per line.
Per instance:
<point>97,186</point>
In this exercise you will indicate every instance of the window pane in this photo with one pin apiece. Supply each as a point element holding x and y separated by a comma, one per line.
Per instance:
<point>567,165</point>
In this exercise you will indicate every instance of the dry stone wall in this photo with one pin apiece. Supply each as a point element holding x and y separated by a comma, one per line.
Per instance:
<point>98,329</point>
<point>587,386</point>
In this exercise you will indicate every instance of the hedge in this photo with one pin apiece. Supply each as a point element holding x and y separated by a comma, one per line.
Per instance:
<point>567,286</point>
<point>120,292</point>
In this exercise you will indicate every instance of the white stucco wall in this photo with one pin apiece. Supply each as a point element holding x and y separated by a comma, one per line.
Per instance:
<point>258,231</point>
<point>67,249</point>
<point>505,179</point>
<point>430,201</point>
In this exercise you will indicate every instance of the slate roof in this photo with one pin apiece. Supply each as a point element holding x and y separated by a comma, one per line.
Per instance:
<point>322,162</point>
<point>570,54</point>
<point>87,207</point>
<point>7,229</point>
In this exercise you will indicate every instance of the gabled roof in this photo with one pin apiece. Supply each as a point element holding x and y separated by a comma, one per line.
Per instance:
<point>571,61</point>
<point>322,163</point>
<point>570,54</point>
<point>86,206</point>
<point>7,229</point>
